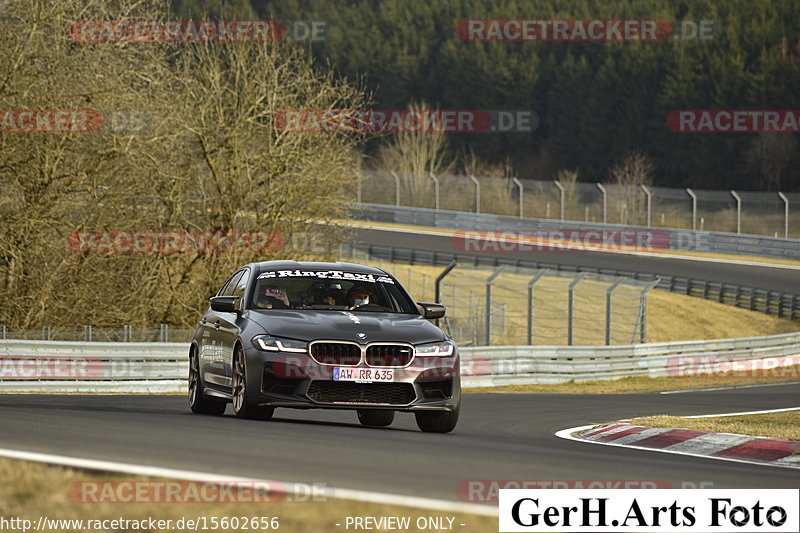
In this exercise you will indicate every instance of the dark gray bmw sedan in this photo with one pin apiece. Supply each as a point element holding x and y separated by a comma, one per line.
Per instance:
<point>323,335</point>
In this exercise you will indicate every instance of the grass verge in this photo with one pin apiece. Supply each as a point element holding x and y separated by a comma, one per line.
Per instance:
<point>785,425</point>
<point>33,490</point>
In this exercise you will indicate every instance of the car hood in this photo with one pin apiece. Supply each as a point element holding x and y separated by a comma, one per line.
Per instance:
<point>309,325</point>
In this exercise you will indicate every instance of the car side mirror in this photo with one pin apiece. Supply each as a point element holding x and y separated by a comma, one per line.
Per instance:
<point>224,304</point>
<point>432,311</point>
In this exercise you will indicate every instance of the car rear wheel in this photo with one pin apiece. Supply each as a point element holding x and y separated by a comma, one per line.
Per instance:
<point>375,417</point>
<point>241,407</point>
<point>197,400</point>
<point>437,421</point>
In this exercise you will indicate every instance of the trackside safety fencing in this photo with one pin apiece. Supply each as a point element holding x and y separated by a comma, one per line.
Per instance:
<point>775,303</point>
<point>58,367</point>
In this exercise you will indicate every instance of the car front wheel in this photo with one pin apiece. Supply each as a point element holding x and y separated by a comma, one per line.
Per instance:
<point>437,421</point>
<point>197,400</point>
<point>241,407</point>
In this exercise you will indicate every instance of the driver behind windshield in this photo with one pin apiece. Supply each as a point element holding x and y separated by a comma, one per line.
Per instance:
<point>358,296</point>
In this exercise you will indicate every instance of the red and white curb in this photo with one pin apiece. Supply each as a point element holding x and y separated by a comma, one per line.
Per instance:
<point>725,446</point>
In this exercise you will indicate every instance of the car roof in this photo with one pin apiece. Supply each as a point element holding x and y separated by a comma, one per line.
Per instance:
<point>316,265</point>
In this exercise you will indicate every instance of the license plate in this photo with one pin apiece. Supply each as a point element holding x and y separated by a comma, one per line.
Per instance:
<point>362,375</point>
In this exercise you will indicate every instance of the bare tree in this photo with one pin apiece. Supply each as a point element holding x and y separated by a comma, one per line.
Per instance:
<point>629,175</point>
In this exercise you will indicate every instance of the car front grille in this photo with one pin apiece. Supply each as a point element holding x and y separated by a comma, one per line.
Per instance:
<point>389,355</point>
<point>350,392</point>
<point>336,353</point>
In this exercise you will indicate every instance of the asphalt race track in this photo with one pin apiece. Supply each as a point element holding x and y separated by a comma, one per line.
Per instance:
<point>760,277</point>
<point>502,436</point>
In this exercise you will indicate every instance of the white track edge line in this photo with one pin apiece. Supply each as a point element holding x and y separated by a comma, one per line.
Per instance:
<point>291,487</point>
<point>765,411</point>
<point>568,434</point>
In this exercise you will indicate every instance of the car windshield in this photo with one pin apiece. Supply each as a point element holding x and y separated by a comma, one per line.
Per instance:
<point>333,290</point>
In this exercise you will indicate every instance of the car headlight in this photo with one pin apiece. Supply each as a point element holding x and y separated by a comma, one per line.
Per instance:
<point>279,344</point>
<point>435,349</point>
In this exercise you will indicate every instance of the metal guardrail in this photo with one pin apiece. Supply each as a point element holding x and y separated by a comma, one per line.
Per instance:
<point>508,365</point>
<point>708,241</point>
<point>50,366</point>
<point>775,303</point>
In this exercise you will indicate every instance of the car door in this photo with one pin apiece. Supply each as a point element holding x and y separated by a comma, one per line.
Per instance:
<point>228,330</point>
<point>213,355</point>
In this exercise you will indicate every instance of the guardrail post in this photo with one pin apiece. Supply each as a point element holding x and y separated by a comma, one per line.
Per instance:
<point>489,281</point>
<point>605,202</point>
<point>694,208</point>
<point>477,193</point>
<point>127,333</point>
<point>438,285</point>
<point>649,195</point>
<point>435,190</point>
<point>87,333</point>
<point>609,292</point>
<point>562,192</point>
<point>785,215</point>
<point>738,211</point>
<point>531,283</point>
<point>164,333</point>
<point>570,305</point>
<point>521,194</point>
<point>46,333</point>
<point>396,188</point>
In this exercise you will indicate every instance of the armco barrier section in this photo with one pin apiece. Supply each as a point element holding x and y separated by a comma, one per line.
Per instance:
<point>50,366</point>
<point>730,243</point>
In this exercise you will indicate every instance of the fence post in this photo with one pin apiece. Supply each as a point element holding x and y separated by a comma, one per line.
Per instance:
<point>477,193</point>
<point>127,333</point>
<point>570,305</point>
<point>649,195</point>
<point>46,333</point>
<point>87,333</point>
<point>605,201</point>
<point>435,190</point>
<point>738,211</point>
<point>785,215</point>
<point>358,186</point>
<point>531,283</point>
<point>521,194</point>
<point>489,281</point>
<point>396,188</point>
<point>438,285</point>
<point>562,192</point>
<point>643,312</point>
<point>2,332</point>
<point>164,333</point>
<point>609,292</point>
<point>694,208</point>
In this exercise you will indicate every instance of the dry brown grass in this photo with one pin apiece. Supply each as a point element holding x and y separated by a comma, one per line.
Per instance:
<point>32,490</point>
<point>785,425</point>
